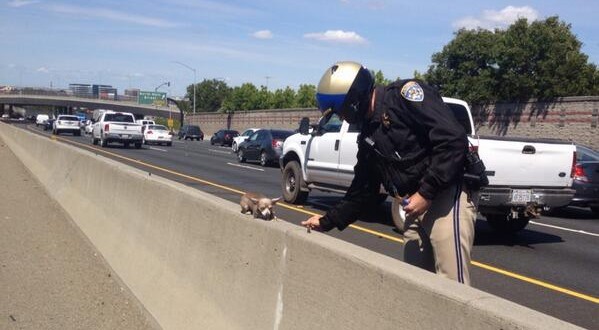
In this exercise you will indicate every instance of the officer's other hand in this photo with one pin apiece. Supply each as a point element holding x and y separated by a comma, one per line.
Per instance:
<point>417,205</point>
<point>313,222</point>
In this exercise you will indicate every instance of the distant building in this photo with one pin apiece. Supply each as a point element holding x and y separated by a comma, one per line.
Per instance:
<point>81,90</point>
<point>132,92</point>
<point>104,92</point>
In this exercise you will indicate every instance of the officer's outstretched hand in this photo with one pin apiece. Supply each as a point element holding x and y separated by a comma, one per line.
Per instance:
<point>417,205</point>
<point>313,222</point>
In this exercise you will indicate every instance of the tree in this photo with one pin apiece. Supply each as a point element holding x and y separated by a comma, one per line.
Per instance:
<point>539,60</point>
<point>244,97</point>
<point>379,78</point>
<point>283,98</point>
<point>465,68</point>
<point>209,94</point>
<point>543,60</point>
<point>306,96</point>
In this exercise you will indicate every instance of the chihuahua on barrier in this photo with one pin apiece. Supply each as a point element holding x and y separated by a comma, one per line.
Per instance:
<point>260,205</point>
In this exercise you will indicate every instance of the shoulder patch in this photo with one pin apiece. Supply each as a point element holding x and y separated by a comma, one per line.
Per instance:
<point>411,91</point>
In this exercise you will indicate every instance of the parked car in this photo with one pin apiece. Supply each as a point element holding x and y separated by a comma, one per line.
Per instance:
<point>41,119</point>
<point>224,137</point>
<point>190,132</point>
<point>157,134</point>
<point>242,137</point>
<point>586,179</point>
<point>264,145</point>
<point>66,123</point>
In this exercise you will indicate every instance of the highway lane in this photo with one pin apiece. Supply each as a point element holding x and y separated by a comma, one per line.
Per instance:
<point>559,257</point>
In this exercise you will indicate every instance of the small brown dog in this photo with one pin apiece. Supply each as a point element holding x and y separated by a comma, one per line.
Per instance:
<point>259,205</point>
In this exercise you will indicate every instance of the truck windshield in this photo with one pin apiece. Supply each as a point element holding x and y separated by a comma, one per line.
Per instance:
<point>118,117</point>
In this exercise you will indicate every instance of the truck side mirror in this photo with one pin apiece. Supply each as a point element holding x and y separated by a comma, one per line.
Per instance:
<point>304,126</point>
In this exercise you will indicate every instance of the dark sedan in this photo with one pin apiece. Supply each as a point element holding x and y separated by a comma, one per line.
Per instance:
<point>586,179</point>
<point>224,137</point>
<point>190,132</point>
<point>264,146</point>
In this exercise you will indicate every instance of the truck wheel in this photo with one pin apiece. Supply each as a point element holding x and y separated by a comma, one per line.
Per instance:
<point>94,141</point>
<point>138,145</point>
<point>103,142</point>
<point>505,223</point>
<point>292,183</point>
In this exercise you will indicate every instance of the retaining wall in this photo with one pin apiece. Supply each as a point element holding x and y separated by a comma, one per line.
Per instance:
<point>196,263</point>
<point>569,118</point>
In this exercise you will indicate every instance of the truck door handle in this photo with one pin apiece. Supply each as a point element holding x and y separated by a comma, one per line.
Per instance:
<point>336,145</point>
<point>529,150</point>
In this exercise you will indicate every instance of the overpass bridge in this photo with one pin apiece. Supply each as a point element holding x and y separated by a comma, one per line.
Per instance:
<point>21,98</point>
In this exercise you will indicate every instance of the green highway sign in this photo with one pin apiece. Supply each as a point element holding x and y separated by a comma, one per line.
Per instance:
<point>154,98</point>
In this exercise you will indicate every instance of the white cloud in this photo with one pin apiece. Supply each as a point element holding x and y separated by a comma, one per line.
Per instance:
<point>491,19</point>
<point>111,15</point>
<point>21,3</point>
<point>339,36</point>
<point>262,34</point>
<point>43,69</point>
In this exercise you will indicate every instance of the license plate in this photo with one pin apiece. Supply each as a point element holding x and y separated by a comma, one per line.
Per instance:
<point>125,136</point>
<point>521,196</point>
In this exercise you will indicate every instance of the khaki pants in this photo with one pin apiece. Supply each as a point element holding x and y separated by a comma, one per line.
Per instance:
<point>441,239</point>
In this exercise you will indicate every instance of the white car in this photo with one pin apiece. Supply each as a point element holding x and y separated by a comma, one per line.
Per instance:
<point>242,137</point>
<point>66,123</point>
<point>158,134</point>
<point>88,125</point>
<point>41,119</point>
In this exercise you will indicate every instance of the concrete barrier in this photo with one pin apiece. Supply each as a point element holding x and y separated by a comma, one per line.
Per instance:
<point>196,263</point>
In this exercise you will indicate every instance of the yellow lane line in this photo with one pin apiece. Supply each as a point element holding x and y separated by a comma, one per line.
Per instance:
<point>360,228</point>
<point>537,282</point>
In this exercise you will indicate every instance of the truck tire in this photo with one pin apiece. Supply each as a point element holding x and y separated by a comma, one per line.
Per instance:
<point>137,145</point>
<point>103,143</point>
<point>292,183</point>
<point>94,141</point>
<point>505,223</point>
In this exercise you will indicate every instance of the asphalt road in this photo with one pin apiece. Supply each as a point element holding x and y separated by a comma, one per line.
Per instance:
<point>551,266</point>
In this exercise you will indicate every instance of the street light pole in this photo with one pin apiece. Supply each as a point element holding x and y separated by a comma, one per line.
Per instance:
<point>194,83</point>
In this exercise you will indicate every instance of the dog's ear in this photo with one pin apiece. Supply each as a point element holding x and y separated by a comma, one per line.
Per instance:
<point>275,200</point>
<point>255,200</point>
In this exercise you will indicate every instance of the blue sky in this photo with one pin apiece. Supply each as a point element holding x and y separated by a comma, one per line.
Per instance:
<point>265,42</point>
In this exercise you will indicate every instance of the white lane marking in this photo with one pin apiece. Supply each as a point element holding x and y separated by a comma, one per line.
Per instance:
<point>220,151</point>
<point>153,148</point>
<point>563,228</point>
<point>248,167</point>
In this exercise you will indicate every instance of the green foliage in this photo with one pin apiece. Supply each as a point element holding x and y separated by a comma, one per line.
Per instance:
<point>306,97</point>
<point>538,60</point>
<point>283,98</point>
<point>379,78</point>
<point>210,94</point>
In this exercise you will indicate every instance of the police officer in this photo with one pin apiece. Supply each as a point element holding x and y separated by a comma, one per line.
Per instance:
<point>411,143</point>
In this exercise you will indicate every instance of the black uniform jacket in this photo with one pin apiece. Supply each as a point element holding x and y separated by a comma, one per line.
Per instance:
<point>421,141</point>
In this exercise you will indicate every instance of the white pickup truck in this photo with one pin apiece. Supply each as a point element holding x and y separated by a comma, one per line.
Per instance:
<point>110,126</point>
<point>525,175</point>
